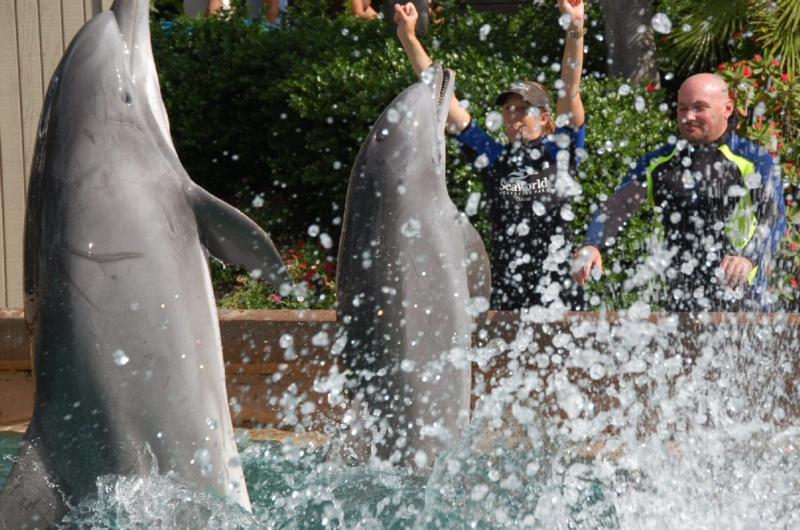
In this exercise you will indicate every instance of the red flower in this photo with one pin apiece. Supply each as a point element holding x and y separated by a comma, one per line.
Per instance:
<point>746,71</point>
<point>776,62</point>
<point>722,67</point>
<point>303,266</point>
<point>794,283</point>
<point>772,88</point>
<point>790,164</point>
<point>785,77</point>
<point>794,246</point>
<point>651,87</point>
<point>755,84</point>
<point>757,58</point>
<point>757,125</point>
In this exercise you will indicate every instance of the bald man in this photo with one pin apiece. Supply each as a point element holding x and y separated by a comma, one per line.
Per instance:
<point>717,206</point>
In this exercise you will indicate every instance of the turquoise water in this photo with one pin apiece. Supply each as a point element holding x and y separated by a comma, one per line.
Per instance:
<point>291,487</point>
<point>489,482</point>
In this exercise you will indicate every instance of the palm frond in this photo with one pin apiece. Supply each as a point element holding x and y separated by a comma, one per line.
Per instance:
<point>704,31</point>
<point>777,28</point>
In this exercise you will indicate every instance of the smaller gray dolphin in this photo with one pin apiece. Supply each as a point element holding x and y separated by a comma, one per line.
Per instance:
<point>403,282</point>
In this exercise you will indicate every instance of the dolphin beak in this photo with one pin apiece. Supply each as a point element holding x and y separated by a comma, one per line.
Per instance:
<point>133,20</point>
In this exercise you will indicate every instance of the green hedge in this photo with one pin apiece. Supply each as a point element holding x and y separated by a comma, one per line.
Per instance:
<point>279,114</point>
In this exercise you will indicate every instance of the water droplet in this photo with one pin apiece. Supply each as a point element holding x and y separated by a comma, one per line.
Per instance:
<point>483,32</point>
<point>624,89</point>
<point>639,104</point>
<point>120,359</point>
<point>393,115</point>
<point>286,341</point>
<point>325,240</point>
<point>494,120</point>
<point>313,230</point>
<point>337,165</point>
<point>481,162</point>
<point>473,201</point>
<point>320,339</point>
<point>567,213</point>
<point>661,23</point>
<point>411,228</point>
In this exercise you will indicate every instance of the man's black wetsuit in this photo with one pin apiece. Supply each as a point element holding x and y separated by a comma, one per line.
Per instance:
<point>711,201</point>
<point>528,191</point>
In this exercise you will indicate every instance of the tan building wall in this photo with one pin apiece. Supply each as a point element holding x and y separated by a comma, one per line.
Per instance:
<point>33,37</point>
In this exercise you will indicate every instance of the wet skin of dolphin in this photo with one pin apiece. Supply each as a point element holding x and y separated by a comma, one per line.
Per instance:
<point>406,259</point>
<point>125,337</point>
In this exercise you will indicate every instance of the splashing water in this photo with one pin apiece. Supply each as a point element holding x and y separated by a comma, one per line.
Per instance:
<point>636,420</point>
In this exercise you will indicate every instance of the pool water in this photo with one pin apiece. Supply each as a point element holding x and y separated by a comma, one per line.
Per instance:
<point>487,482</point>
<point>715,447</point>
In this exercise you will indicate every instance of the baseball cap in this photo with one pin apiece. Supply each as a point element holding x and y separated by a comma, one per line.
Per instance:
<point>531,92</point>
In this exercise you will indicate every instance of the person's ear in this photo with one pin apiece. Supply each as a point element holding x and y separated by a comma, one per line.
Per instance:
<point>728,108</point>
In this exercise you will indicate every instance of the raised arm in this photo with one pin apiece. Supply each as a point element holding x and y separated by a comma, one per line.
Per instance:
<point>569,96</point>
<point>363,9</point>
<point>405,16</point>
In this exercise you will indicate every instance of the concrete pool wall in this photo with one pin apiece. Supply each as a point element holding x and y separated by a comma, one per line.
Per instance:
<point>260,375</point>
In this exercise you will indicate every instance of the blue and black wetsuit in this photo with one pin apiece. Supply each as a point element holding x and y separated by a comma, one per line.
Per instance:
<point>708,201</point>
<point>528,191</point>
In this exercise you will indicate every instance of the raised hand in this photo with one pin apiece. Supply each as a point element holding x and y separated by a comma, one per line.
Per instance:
<point>573,8</point>
<point>584,260</point>
<point>405,16</point>
<point>737,269</point>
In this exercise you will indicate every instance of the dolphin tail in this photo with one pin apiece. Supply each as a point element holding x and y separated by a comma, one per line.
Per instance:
<point>30,499</point>
<point>232,237</point>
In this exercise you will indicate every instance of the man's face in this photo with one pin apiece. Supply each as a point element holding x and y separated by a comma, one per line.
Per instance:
<point>521,122</point>
<point>703,111</point>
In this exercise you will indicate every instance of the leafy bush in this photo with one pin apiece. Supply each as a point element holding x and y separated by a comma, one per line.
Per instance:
<point>272,119</point>
<point>310,267</point>
<point>768,103</point>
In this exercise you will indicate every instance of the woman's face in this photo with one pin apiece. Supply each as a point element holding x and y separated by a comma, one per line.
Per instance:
<point>521,122</point>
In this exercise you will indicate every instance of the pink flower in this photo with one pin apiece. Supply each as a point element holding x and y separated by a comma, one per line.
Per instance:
<point>275,298</point>
<point>746,71</point>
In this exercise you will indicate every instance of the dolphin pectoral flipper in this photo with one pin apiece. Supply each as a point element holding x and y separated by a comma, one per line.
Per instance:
<point>30,498</point>
<point>232,237</point>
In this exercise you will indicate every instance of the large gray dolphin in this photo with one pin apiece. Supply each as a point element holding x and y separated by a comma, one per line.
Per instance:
<point>125,338</point>
<point>405,260</point>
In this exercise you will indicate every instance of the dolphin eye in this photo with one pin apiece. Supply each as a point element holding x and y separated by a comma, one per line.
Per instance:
<point>382,135</point>
<point>126,97</point>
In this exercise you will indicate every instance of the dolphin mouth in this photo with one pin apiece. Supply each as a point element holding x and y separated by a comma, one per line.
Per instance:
<point>445,82</point>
